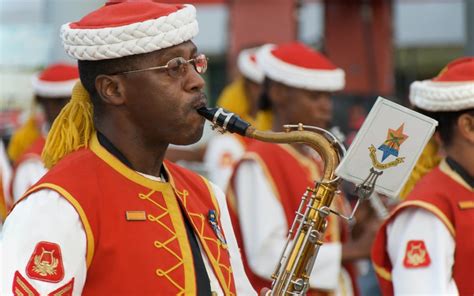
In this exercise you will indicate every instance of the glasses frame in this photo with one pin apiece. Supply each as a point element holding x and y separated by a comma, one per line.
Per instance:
<point>167,66</point>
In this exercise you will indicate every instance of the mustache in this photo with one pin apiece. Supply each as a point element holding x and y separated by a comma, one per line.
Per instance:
<point>199,101</point>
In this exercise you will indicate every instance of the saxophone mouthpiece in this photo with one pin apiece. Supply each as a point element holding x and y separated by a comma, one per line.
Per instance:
<point>207,112</point>
<point>224,121</point>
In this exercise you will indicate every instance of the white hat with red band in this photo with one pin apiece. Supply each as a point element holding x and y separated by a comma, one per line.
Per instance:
<point>113,31</point>
<point>56,81</point>
<point>248,66</point>
<point>297,65</point>
<point>451,90</point>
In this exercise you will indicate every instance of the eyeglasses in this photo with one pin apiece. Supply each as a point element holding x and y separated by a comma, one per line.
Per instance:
<point>177,67</point>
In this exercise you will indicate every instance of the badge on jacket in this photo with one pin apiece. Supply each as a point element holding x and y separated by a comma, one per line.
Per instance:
<point>46,263</point>
<point>212,217</point>
<point>416,255</point>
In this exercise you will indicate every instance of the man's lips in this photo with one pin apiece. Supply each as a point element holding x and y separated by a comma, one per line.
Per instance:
<point>200,101</point>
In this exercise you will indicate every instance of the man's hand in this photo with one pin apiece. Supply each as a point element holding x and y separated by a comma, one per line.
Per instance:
<point>360,246</point>
<point>265,292</point>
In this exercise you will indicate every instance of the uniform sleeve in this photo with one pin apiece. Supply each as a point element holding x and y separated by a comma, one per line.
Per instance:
<point>26,174</point>
<point>420,247</point>
<point>43,248</point>
<point>221,155</point>
<point>264,229</point>
<point>5,173</point>
<point>242,283</point>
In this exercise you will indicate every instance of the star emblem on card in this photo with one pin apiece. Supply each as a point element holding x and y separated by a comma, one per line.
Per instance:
<point>391,146</point>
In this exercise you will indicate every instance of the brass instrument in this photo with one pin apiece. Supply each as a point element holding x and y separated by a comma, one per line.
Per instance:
<point>307,230</point>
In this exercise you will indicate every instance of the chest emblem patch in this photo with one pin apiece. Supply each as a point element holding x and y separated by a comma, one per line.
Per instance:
<point>46,263</point>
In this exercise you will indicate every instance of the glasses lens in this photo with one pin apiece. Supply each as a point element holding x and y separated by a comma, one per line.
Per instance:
<point>200,63</point>
<point>176,67</point>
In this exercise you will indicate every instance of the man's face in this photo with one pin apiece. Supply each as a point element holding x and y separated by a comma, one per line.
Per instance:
<point>161,107</point>
<point>253,90</point>
<point>304,106</point>
<point>52,107</point>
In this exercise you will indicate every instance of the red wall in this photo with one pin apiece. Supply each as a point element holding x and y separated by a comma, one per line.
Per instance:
<point>358,38</point>
<point>255,22</point>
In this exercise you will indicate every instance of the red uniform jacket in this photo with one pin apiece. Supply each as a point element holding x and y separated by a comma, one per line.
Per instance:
<point>453,204</point>
<point>136,238</point>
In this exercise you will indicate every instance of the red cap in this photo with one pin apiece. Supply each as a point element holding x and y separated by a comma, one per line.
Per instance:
<point>129,27</point>
<point>459,70</point>
<point>297,65</point>
<point>451,90</point>
<point>56,81</point>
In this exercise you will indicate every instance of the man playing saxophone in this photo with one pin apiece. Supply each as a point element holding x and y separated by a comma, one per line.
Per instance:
<point>267,185</point>
<point>112,216</point>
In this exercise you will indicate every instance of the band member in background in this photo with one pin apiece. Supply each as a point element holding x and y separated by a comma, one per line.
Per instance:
<point>111,217</point>
<point>428,237</point>
<point>240,97</point>
<point>53,89</point>
<point>268,182</point>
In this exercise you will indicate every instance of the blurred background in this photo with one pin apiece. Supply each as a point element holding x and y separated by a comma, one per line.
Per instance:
<point>383,45</point>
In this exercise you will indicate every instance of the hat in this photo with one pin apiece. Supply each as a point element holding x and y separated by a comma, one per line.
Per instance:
<point>297,65</point>
<point>451,90</point>
<point>247,64</point>
<point>56,81</point>
<point>129,27</point>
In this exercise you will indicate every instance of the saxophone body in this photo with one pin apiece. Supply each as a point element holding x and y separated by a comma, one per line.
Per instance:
<point>306,233</point>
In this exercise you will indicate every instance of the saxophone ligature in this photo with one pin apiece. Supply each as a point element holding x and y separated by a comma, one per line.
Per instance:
<point>306,233</point>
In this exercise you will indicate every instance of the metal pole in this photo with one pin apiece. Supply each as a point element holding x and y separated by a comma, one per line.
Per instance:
<point>469,9</point>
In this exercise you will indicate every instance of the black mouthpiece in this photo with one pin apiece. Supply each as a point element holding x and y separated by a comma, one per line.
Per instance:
<point>226,120</point>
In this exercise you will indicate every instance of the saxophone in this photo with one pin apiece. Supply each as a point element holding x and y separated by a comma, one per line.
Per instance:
<point>307,230</point>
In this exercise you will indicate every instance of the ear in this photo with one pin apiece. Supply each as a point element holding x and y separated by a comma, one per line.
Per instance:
<point>110,89</point>
<point>465,125</point>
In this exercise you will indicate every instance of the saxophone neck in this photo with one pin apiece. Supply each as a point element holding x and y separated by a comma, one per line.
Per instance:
<point>322,141</point>
<point>326,148</point>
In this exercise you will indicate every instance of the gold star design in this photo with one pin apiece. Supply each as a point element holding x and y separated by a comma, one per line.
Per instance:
<point>395,138</point>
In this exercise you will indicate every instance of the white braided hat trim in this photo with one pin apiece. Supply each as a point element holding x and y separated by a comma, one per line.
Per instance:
<point>136,38</point>
<point>442,96</point>
<point>291,75</point>
<point>53,89</point>
<point>248,68</point>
